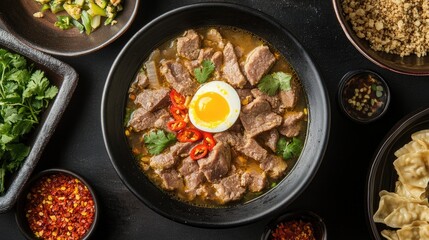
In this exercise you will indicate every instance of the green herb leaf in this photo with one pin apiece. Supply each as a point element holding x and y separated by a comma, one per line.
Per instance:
<point>24,93</point>
<point>270,84</point>
<point>289,149</point>
<point>203,73</point>
<point>156,141</point>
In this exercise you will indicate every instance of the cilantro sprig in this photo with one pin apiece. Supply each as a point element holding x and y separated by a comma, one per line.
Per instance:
<point>289,149</point>
<point>202,73</point>
<point>157,140</point>
<point>24,93</point>
<point>270,84</point>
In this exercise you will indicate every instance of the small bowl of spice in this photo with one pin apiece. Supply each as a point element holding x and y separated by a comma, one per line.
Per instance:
<point>300,225</point>
<point>363,96</point>
<point>57,204</point>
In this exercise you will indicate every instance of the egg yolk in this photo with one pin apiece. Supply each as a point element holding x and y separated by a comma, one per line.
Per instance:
<point>212,108</point>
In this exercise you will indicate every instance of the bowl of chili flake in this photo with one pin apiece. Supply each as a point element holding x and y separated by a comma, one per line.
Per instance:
<point>57,204</point>
<point>300,225</point>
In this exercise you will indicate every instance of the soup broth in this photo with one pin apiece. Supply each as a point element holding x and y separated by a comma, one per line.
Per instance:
<point>212,168</point>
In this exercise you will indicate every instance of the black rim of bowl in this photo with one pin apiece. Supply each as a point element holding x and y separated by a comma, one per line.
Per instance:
<point>344,80</point>
<point>319,227</point>
<point>113,104</point>
<point>381,174</point>
<point>20,218</point>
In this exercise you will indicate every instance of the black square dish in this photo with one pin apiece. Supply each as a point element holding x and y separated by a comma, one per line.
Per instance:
<point>65,79</point>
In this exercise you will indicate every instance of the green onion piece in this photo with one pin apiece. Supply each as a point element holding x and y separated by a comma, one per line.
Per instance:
<point>86,20</point>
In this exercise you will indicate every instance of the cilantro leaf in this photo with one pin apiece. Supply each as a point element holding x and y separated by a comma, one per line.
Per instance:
<point>203,73</point>
<point>270,84</point>
<point>156,141</point>
<point>24,93</point>
<point>283,79</point>
<point>289,149</point>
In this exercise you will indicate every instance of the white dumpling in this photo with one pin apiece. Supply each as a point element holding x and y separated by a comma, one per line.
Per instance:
<point>406,214</point>
<point>388,203</point>
<point>389,234</point>
<point>418,230</point>
<point>410,191</point>
<point>421,135</point>
<point>412,147</point>
<point>412,169</point>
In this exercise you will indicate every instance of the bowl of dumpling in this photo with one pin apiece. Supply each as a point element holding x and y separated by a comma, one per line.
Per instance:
<point>397,201</point>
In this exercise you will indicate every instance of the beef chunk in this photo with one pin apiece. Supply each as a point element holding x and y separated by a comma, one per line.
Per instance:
<point>217,59</point>
<point>229,189</point>
<point>245,95</point>
<point>275,102</point>
<point>214,38</point>
<point>178,77</point>
<point>258,62</point>
<point>231,68</point>
<point>171,179</point>
<point>292,124</point>
<point>151,100</point>
<point>169,158</point>
<point>289,98</point>
<point>205,54</point>
<point>245,145</point>
<point>141,119</point>
<point>274,165</point>
<point>218,162</point>
<point>162,118</point>
<point>257,117</point>
<point>252,149</point>
<point>253,180</point>
<point>189,45</point>
<point>270,138</point>
<point>191,173</point>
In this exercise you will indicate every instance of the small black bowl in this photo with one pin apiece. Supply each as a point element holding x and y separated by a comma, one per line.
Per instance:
<point>20,214</point>
<point>319,227</point>
<point>363,96</point>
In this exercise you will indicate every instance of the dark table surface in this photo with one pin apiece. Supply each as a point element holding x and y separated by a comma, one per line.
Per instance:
<point>337,193</point>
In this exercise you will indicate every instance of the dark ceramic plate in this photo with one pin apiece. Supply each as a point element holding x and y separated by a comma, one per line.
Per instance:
<point>20,217</point>
<point>382,174</point>
<point>40,33</point>
<point>173,23</point>
<point>411,65</point>
<point>65,78</point>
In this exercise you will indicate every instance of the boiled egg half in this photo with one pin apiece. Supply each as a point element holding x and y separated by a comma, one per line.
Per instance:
<point>215,107</point>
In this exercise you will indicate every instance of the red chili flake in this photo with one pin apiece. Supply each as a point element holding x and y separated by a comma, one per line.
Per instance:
<point>59,206</point>
<point>293,230</point>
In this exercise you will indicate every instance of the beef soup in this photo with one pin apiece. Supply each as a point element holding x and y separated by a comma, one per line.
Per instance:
<point>206,166</point>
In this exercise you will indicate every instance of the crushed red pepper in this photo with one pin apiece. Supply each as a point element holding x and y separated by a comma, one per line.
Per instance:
<point>59,206</point>
<point>293,230</point>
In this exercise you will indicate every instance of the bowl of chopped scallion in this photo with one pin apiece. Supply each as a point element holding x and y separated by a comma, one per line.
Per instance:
<point>67,27</point>
<point>34,92</point>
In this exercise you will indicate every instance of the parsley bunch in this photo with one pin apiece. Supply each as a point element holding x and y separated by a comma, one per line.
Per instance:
<point>270,84</point>
<point>203,73</point>
<point>24,94</point>
<point>289,149</point>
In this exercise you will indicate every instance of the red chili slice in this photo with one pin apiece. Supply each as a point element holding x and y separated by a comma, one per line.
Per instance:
<point>177,99</point>
<point>209,140</point>
<point>189,135</point>
<point>199,151</point>
<point>177,113</point>
<point>176,125</point>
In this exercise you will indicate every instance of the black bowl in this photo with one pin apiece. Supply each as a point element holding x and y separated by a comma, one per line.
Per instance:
<point>20,214</point>
<point>346,89</point>
<point>382,174</point>
<point>409,65</point>
<point>319,227</point>
<point>166,27</point>
<point>65,78</point>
